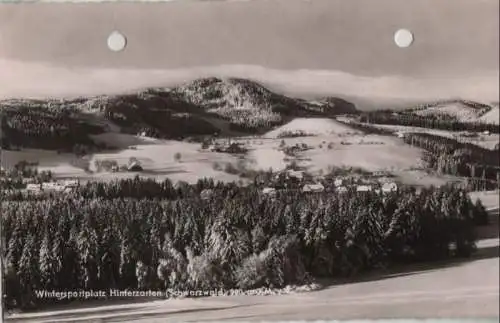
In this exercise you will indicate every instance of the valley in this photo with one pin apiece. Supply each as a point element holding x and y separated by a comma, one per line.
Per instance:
<point>158,123</point>
<point>213,183</point>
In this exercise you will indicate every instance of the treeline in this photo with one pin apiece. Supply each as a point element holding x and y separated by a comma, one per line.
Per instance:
<point>235,238</point>
<point>481,107</point>
<point>157,115</point>
<point>450,156</point>
<point>368,128</point>
<point>136,188</point>
<point>293,134</point>
<point>251,120</point>
<point>15,178</point>
<point>44,128</point>
<point>442,122</point>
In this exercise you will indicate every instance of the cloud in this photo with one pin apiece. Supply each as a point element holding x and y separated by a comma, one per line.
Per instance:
<point>20,79</point>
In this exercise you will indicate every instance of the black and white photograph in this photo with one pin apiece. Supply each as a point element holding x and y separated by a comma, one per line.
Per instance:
<point>258,160</point>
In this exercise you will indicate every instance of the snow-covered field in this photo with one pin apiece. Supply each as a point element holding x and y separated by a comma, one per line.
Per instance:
<point>314,126</point>
<point>156,158</point>
<point>333,145</point>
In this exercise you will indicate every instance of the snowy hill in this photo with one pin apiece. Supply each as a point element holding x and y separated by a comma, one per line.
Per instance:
<point>311,126</point>
<point>247,103</point>
<point>206,106</point>
<point>491,116</point>
<point>460,110</point>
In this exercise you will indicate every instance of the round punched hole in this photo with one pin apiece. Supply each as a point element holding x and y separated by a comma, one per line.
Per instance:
<point>116,41</point>
<point>403,38</point>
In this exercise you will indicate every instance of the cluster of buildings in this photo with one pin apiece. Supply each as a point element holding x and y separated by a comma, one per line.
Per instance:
<point>227,146</point>
<point>59,186</point>
<point>340,184</point>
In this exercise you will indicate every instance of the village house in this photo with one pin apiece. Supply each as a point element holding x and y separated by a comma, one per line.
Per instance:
<point>215,147</point>
<point>227,147</point>
<point>235,148</point>
<point>134,166</point>
<point>30,180</point>
<point>400,134</point>
<point>34,187</point>
<point>389,187</point>
<point>269,191</point>
<point>288,176</point>
<point>71,183</point>
<point>468,134</point>
<point>363,188</point>
<point>380,173</point>
<point>295,174</point>
<point>53,186</point>
<point>313,188</point>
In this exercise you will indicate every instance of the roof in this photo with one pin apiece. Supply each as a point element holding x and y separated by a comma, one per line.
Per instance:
<point>134,166</point>
<point>363,188</point>
<point>313,187</point>
<point>268,190</point>
<point>388,187</point>
<point>296,174</point>
<point>71,182</point>
<point>33,187</point>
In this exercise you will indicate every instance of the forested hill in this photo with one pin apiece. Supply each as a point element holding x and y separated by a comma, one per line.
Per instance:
<point>203,107</point>
<point>453,115</point>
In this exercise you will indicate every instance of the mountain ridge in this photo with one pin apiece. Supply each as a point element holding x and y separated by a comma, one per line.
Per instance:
<point>206,106</point>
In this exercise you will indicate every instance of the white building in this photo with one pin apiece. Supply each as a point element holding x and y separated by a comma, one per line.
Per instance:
<point>33,187</point>
<point>313,188</point>
<point>49,185</point>
<point>389,187</point>
<point>53,186</point>
<point>295,174</point>
<point>363,188</point>
<point>269,191</point>
<point>400,134</point>
<point>71,183</point>
<point>134,166</point>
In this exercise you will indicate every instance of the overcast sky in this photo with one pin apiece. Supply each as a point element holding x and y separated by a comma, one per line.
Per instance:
<point>456,43</point>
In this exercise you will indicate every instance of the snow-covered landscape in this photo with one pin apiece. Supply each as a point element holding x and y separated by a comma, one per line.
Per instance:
<point>258,161</point>
<point>323,142</point>
<point>331,145</point>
